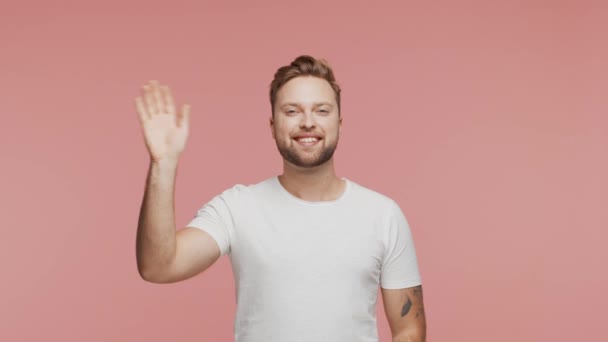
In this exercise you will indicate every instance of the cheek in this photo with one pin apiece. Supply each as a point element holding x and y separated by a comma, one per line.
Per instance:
<point>282,133</point>
<point>331,128</point>
<point>283,128</point>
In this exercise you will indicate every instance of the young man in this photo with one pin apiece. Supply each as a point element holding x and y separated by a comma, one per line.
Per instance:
<point>308,248</point>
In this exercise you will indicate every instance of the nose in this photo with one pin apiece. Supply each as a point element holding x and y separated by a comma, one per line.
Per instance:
<point>308,120</point>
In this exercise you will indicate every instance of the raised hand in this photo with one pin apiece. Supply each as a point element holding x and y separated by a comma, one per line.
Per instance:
<point>165,131</point>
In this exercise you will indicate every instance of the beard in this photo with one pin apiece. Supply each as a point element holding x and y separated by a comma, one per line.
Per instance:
<point>307,160</point>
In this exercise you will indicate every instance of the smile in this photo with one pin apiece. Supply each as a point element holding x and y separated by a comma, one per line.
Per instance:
<point>308,141</point>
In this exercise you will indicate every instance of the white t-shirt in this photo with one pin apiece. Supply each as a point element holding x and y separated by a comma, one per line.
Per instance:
<point>309,271</point>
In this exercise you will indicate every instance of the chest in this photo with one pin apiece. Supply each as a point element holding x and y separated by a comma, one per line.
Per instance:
<point>307,247</point>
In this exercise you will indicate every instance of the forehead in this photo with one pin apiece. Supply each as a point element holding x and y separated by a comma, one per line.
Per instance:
<point>306,90</point>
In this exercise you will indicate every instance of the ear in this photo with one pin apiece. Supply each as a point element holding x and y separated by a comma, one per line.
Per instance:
<point>271,122</point>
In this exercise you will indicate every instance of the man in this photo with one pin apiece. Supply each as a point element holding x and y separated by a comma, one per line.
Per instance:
<point>308,249</point>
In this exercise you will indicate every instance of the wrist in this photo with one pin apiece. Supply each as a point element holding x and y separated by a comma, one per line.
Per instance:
<point>164,162</point>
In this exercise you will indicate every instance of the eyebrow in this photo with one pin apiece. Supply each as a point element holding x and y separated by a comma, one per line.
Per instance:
<point>316,104</point>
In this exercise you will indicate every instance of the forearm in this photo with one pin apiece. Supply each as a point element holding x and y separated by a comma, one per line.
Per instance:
<point>155,245</point>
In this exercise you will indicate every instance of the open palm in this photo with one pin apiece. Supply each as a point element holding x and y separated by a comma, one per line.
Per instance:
<point>165,130</point>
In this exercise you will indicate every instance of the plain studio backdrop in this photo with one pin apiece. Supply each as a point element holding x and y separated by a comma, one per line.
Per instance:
<point>485,120</point>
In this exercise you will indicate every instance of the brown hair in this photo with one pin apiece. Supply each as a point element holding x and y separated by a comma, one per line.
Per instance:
<point>303,66</point>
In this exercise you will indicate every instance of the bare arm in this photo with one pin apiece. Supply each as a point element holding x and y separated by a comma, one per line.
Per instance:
<point>404,310</point>
<point>156,238</point>
<point>163,255</point>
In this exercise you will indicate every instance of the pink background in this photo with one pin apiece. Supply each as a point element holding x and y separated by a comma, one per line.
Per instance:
<point>487,123</point>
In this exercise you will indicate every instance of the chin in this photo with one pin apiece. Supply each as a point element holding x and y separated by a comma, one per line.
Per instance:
<point>292,155</point>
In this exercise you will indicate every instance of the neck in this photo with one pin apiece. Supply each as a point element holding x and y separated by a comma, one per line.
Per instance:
<point>318,183</point>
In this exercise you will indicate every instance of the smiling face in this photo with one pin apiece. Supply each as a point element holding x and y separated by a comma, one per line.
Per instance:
<point>306,121</point>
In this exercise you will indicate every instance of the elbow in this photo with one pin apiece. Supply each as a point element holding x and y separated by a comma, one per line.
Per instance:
<point>149,276</point>
<point>143,271</point>
<point>412,335</point>
<point>145,275</point>
<point>149,270</point>
<point>152,279</point>
<point>409,338</point>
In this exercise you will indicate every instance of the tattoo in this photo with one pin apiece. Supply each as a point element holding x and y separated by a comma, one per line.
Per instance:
<point>417,291</point>
<point>406,307</point>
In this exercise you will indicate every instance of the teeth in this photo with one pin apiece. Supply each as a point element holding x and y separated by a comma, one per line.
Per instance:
<point>308,140</point>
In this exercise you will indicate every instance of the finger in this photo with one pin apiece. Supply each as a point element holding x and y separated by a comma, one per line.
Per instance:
<point>149,100</point>
<point>168,100</point>
<point>141,109</point>
<point>158,99</point>
<point>184,116</point>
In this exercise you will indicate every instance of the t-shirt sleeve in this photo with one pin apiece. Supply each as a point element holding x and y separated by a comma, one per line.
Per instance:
<point>400,265</point>
<point>217,219</point>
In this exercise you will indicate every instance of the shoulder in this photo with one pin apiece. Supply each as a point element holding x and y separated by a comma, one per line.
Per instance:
<point>373,198</point>
<point>243,191</point>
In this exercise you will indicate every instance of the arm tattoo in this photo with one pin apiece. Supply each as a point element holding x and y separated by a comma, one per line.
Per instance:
<point>418,295</point>
<point>406,307</point>
<point>416,292</point>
